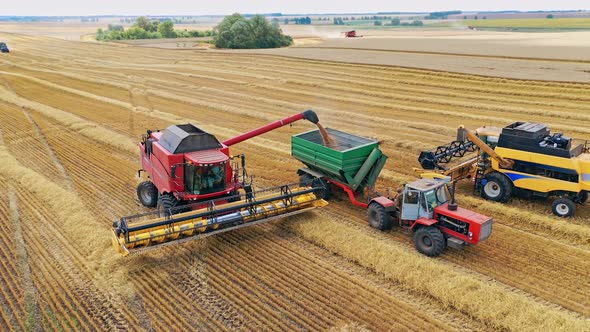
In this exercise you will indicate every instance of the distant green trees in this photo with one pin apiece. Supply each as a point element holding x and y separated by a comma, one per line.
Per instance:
<point>302,20</point>
<point>236,31</point>
<point>144,28</point>
<point>550,16</point>
<point>442,15</point>
<point>338,21</point>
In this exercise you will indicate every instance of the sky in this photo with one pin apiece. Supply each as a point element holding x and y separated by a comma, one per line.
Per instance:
<point>196,7</point>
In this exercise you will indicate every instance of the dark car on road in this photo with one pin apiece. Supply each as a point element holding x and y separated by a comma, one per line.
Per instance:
<point>4,48</point>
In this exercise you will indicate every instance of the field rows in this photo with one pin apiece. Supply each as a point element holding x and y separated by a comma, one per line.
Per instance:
<point>265,277</point>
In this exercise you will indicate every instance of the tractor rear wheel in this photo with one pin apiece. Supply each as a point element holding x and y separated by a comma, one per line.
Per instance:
<point>563,207</point>
<point>498,188</point>
<point>378,217</point>
<point>167,204</point>
<point>429,240</point>
<point>147,194</point>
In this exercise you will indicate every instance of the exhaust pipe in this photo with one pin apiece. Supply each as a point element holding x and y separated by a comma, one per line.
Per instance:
<point>453,203</point>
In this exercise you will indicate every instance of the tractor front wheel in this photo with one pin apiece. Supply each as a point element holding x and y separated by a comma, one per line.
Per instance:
<point>429,240</point>
<point>498,188</point>
<point>147,194</point>
<point>378,217</point>
<point>563,207</point>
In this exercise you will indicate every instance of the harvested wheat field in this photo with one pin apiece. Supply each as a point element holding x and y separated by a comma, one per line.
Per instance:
<point>71,114</point>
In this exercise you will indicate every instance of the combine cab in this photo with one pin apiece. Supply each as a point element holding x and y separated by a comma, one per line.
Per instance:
<point>200,189</point>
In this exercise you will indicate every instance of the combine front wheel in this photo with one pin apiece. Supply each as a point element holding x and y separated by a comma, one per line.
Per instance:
<point>429,240</point>
<point>147,194</point>
<point>167,204</point>
<point>498,188</point>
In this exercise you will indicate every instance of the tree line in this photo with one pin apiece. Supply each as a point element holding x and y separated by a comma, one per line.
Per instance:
<point>235,31</point>
<point>144,28</point>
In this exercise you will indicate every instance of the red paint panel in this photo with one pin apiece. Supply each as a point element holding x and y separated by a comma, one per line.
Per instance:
<point>383,201</point>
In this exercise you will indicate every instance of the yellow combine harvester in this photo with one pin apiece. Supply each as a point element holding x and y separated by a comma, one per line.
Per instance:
<point>522,159</point>
<point>200,189</point>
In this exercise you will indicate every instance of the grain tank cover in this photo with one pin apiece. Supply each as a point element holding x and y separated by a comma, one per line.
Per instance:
<point>536,138</point>
<point>188,138</point>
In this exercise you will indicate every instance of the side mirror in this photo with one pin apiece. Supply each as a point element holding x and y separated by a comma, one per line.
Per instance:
<point>173,172</point>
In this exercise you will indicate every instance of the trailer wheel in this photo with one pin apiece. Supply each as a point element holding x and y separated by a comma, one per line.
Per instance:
<point>429,240</point>
<point>305,180</point>
<point>498,188</point>
<point>167,204</point>
<point>309,180</point>
<point>563,207</point>
<point>147,194</point>
<point>378,217</point>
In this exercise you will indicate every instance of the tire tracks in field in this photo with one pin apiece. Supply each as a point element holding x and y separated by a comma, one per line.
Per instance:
<point>73,273</point>
<point>73,122</point>
<point>50,152</point>
<point>31,296</point>
<point>447,53</point>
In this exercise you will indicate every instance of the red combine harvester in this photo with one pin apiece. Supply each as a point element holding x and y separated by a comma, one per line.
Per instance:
<point>199,188</point>
<point>351,34</point>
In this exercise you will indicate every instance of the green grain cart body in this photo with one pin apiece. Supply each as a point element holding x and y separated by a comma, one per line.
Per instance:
<point>352,160</point>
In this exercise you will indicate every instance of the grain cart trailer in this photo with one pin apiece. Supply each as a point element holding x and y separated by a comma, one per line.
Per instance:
<point>424,207</point>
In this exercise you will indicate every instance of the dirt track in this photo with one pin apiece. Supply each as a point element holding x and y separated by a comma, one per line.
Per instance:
<point>70,114</point>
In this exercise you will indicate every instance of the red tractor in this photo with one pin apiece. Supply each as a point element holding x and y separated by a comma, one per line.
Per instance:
<point>351,34</point>
<point>427,208</point>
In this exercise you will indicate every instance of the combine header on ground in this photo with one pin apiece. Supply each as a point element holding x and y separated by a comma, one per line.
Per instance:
<point>200,189</point>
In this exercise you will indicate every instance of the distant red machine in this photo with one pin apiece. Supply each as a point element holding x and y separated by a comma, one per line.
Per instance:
<point>351,34</point>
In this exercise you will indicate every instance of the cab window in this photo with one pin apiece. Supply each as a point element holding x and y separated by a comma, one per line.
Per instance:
<point>429,200</point>
<point>205,179</point>
<point>411,197</point>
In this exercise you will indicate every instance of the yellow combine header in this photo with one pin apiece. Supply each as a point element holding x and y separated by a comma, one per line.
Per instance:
<point>146,231</point>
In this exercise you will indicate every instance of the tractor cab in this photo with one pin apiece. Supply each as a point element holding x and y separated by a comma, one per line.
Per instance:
<point>421,197</point>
